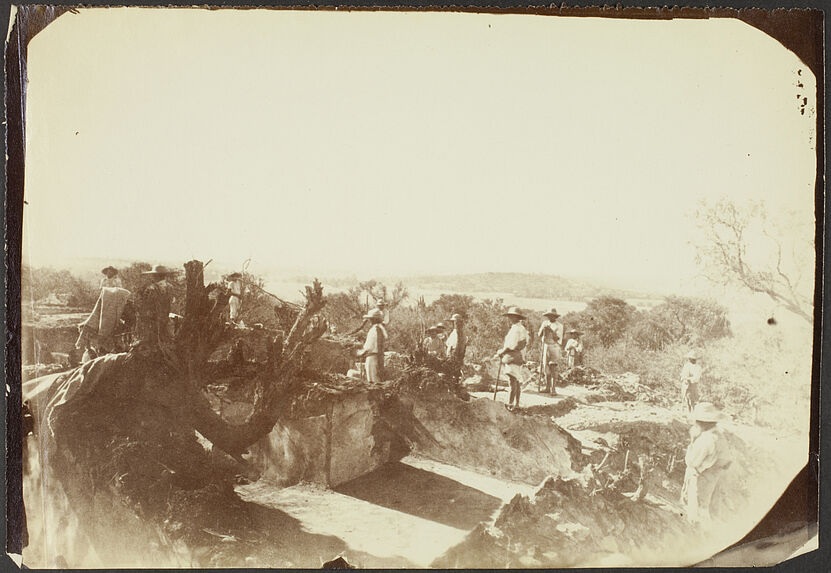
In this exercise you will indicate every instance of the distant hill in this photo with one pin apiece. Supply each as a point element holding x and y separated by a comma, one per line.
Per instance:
<point>524,285</point>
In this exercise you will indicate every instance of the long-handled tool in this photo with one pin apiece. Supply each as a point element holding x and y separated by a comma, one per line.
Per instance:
<point>496,382</point>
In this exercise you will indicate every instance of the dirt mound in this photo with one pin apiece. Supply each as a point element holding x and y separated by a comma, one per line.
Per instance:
<point>118,451</point>
<point>565,405</point>
<point>581,375</point>
<point>421,380</point>
<point>424,415</point>
<point>565,524</point>
<point>607,390</point>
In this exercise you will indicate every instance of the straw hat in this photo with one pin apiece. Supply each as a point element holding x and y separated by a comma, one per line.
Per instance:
<point>441,326</point>
<point>430,329</point>
<point>692,355</point>
<point>234,276</point>
<point>111,270</point>
<point>574,331</point>
<point>456,317</point>
<point>381,303</point>
<point>513,311</point>
<point>374,313</point>
<point>160,270</point>
<point>706,412</point>
<point>552,313</point>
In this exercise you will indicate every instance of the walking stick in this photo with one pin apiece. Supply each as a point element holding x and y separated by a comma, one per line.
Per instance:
<point>496,384</point>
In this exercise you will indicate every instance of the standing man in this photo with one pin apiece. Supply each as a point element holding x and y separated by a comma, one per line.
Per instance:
<point>456,346</point>
<point>111,278</point>
<point>441,334</point>
<point>432,344</point>
<point>574,347</point>
<point>374,347</point>
<point>707,457</point>
<point>456,343</point>
<point>511,355</point>
<point>551,337</point>
<point>234,283</point>
<point>154,306</point>
<point>381,305</point>
<point>690,377</point>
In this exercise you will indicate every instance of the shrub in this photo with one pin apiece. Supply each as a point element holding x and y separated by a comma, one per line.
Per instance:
<point>40,283</point>
<point>605,320</point>
<point>686,320</point>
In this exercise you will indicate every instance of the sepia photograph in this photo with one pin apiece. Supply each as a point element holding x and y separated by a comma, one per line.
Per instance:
<point>390,288</point>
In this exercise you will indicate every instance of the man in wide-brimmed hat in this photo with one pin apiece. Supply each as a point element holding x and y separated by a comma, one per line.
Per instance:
<point>551,337</point>
<point>432,344</point>
<point>374,347</point>
<point>511,354</point>
<point>456,343</point>
<point>574,346</point>
<point>234,284</point>
<point>441,334</point>
<point>707,456</point>
<point>690,377</point>
<point>111,278</point>
<point>381,305</point>
<point>154,301</point>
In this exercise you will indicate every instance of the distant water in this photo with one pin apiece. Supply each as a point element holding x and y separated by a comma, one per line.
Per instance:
<point>292,291</point>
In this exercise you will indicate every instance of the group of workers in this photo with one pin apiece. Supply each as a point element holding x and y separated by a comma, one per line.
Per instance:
<point>441,345</point>
<point>112,326</point>
<point>553,344</point>
<point>706,457</point>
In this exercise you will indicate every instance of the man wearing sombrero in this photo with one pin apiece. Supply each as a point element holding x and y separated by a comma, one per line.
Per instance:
<point>153,324</point>
<point>111,278</point>
<point>234,281</point>
<point>551,335</point>
<point>574,347</point>
<point>432,344</point>
<point>511,354</point>
<point>707,457</point>
<point>690,377</point>
<point>374,347</point>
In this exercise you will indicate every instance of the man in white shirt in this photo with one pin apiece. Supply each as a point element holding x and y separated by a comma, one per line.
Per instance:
<point>573,347</point>
<point>381,305</point>
<point>551,337</point>
<point>690,377</point>
<point>706,458</point>
<point>374,347</point>
<point>111,278</point>
<point>234,281</point>
<point>456,343</point>
<point>511,355</point>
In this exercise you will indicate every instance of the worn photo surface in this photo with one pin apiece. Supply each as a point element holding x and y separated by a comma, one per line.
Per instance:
<point>400,289</point>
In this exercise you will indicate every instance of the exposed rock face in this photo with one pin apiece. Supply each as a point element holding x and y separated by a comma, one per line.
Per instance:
<point>329,449</point>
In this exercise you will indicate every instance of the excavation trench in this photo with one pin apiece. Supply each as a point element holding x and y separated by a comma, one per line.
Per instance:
<point>414,472</point>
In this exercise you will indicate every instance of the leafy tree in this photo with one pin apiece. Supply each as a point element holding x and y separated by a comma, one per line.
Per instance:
<point>606,319</point>
<point>345,311</point>
<point>449,304</point>
<point>743,245</point>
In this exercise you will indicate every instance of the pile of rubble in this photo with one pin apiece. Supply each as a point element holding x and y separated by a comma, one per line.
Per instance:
<point>566,524</point>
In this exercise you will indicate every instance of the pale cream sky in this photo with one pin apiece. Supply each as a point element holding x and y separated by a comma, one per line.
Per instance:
<point>399,143</point>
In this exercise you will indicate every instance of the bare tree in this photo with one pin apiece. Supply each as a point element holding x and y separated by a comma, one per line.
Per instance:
<point>743,245</point>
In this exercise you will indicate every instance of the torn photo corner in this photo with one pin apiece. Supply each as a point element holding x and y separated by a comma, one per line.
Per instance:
<point>380,288</point>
